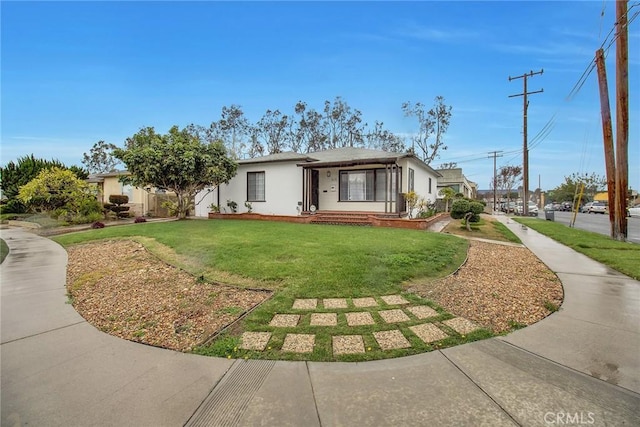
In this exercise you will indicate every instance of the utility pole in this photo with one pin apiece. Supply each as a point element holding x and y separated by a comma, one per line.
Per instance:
<point>525,149</point>
<point>622,118</point>
<point>607,135</point>
<point>495,181</point>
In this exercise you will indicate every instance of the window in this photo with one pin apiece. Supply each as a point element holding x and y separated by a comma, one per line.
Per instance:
<point>367,185</point>
<point>429,185</point>
<point>127,190</point>
<point>255,187</point>
<point>412,186</point>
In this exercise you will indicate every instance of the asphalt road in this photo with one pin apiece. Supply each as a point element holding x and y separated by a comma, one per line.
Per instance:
<point>597,223</point>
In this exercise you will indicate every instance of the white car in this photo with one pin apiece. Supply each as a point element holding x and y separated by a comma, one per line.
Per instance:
<point>635,211</point>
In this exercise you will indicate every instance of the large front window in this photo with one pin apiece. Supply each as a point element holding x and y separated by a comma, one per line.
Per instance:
<point>255,187</point>
<point>368,185</point>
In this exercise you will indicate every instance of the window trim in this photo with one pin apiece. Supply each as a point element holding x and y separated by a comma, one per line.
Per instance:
<point>264,186</point>
<point>411,181</point>
<point>375,185</point>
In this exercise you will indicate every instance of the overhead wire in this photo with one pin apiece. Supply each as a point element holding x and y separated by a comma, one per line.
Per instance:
<point>548,127</point>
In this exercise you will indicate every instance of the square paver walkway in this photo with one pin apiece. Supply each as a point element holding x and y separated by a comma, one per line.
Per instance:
<point>461,325</point>
<point>334,303</point>
<point>423,311</point>
<point>348,344</point>
<point>394,299</point>
<point>255,340</point>
<point>299,343</point>
<point>365,302</point>
<point>285,320</point>
<point>388,340</point>
<point>428,332</point>
<point>359,319</point>
<point>324,319</point>
<point>394,316</point>
<point>305,304</point>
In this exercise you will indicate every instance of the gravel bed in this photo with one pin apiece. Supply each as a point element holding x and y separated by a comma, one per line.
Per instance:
<point>499,287</point>
<point>125,291</point>
<point>428,332</point>
<point>422,311</point>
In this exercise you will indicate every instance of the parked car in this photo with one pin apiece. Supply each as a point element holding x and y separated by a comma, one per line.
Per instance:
<point>532,209</point>
<point>585,207</point>
<point>634,211</point>
<point>567,206</point>
<point>596,207</point>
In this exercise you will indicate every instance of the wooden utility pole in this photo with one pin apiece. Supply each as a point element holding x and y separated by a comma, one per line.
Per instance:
<point>495,180</point>
<point>622,119</point>
<point>525,149</point>
<point>607,134</point>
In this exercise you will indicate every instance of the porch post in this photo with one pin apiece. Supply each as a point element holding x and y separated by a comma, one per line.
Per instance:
<point>304,189</point>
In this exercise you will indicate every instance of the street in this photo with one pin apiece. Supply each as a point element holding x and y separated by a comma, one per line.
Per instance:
<point>597,223</point>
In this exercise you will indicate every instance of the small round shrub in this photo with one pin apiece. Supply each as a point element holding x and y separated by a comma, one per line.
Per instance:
<point>97,224</point>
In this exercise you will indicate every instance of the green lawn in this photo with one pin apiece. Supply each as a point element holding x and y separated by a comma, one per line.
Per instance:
<point>302,261</point>
<point>4,250</point>
<point>621,256</point>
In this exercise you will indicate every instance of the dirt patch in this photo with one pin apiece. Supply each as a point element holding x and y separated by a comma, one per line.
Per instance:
<point>123,290</point>
<point>500,287</point>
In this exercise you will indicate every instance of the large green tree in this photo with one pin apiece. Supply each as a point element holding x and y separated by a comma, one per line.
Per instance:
<point>16,174</point>
<point>178,161</point>
<point>58,188</point>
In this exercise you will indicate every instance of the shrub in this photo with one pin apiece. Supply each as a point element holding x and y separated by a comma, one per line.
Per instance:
<point>249,206</point>
<point>459,208</point>
<point>118,199</point>
<point>97,224</point>
<point>232,205</point>
<point>140,219</point>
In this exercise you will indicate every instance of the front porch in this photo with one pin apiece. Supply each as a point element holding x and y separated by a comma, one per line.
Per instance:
<point>348,188</point>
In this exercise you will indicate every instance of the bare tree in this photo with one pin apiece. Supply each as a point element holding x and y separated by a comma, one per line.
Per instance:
<point>232,129</point>
<point>344,126</point>
<point>434,122</point>
<point>507,178</point>
<point>100,158</point>
<point>275,130</point>
<point>382,139</point>
<point>448,165</point>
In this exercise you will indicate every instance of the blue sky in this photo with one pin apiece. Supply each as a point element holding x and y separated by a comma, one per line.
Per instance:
<point>74,73</point>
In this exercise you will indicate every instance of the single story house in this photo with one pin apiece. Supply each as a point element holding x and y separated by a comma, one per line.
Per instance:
<point>338,180</point>
<point>142,201</point>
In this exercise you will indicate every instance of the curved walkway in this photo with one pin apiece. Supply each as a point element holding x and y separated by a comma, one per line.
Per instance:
<point>580,365</point>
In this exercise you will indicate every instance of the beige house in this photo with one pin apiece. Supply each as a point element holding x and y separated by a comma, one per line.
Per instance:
<point>142,201</point>
<point>455,179</point>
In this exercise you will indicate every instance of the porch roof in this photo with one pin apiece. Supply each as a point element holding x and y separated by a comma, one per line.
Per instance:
<point>350,157</point>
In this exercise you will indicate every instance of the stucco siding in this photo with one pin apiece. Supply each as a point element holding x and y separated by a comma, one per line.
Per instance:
<point>282,189</point>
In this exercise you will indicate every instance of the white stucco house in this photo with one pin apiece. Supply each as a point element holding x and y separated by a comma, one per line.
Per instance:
<point>338,180</point>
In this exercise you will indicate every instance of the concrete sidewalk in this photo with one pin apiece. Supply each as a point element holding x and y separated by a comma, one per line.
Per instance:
<point>580,364</point>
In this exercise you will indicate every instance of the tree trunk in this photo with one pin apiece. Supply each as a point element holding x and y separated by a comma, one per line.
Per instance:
<point>467,220</point>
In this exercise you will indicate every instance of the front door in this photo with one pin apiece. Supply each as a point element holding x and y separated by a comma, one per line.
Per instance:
<point>315,185</point>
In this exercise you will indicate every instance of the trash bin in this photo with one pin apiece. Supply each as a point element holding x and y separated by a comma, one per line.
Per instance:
<point>549,214</point>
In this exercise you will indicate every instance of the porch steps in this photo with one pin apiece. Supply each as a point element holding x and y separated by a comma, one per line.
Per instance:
<point>341,219</point>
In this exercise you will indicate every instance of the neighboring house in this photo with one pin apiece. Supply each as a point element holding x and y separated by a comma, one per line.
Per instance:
<point>455,179</point>
<point>343,179</point>
<point>147,202</point>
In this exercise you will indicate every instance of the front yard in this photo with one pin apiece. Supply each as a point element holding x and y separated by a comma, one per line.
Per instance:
<point>234,265</point>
